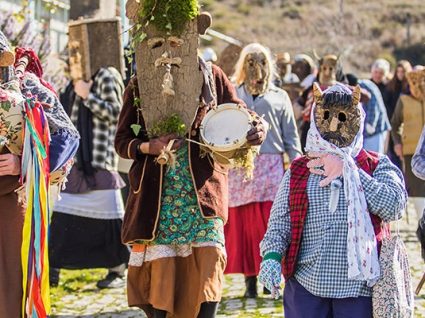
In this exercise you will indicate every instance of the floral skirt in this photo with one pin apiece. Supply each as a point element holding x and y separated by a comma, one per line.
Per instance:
<point>268,174</point>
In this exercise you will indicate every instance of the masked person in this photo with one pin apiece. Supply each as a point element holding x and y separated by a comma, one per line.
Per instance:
<point>305,69</point>
<point>326,221</point>
<point>174,215</point>
<point>12,218</point>
<point>284,70</point>
<point>327,76</point>
<point>408,117</point>
<point>20,83</point>
<point>250,200</point>
<point>86,222</point>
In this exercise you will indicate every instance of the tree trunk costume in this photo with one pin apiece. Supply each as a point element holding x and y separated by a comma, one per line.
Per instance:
<point>329,247</point>
<point>175,214</point>
<point>408,117</point>
<point>86,223</point>
<point>250,200</point>
<point>29,132</point>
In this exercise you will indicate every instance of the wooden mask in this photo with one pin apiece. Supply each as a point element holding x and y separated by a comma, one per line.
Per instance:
<point>337,114</point>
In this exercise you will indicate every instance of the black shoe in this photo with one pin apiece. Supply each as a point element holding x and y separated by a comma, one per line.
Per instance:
<point>251,287</point>
<point>266,291</point>
<point>54,277</point>
<point>112,280</point>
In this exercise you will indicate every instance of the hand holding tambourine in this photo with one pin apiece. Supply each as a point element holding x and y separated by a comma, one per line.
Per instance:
<point>257,134</point>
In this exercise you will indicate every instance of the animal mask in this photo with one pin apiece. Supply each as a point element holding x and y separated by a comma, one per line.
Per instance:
<point>327,70</point>
<point>283,63</point>
<point>416,80</point>
<point>256,69</point>
<point>337,115</point>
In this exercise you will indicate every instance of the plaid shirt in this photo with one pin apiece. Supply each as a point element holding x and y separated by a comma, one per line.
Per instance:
<point>105,102</point>
<point>322,262</point>
<point>418,160</point>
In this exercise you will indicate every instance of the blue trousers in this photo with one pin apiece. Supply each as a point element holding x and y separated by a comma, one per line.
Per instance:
<point>299,303</point>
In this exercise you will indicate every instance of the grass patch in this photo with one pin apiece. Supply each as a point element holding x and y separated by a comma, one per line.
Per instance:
<point>75,283</point>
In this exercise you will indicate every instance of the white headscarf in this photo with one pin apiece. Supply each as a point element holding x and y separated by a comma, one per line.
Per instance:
<point>362,251</point>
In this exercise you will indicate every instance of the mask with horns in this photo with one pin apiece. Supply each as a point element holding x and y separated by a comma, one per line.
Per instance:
<point>337,115</point>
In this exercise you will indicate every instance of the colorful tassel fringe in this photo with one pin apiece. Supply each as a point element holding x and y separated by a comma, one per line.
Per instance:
<point>35,177</point>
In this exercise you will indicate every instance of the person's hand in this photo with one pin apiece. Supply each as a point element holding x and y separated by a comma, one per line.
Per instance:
<point>327,165</point>
<point>10,165</point>
<point>156,145</point>
<point>398,149</point>
<point>257,134</point>
<point>370,129</point>
<point>270,276</point>
<point>82,88</point>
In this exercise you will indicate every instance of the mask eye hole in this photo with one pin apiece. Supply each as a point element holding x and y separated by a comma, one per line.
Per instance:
<point>155,43</point>
<point>326,115</point>
<point>342,117</point>
<point>175,41</point>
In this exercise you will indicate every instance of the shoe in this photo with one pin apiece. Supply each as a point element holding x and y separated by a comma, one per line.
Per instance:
<point>112,280</point>
<point>251,287</point>
<point>54,277</point>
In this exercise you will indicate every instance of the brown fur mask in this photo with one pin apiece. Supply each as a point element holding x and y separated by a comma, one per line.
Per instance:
<point>337,115</point>
<point>416,81</point>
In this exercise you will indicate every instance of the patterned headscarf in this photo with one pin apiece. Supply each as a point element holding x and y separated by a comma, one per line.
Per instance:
<point>362,251</point>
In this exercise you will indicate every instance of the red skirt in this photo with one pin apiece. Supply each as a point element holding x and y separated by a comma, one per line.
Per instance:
<point>244,231</point>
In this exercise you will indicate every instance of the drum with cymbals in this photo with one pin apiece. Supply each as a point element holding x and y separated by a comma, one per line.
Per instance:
<point>223,131</point>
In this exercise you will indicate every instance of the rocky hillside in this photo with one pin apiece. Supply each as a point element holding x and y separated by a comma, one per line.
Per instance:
<point>359,30</point>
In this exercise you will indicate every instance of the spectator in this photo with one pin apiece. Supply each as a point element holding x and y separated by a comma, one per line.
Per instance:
<point>396,86</point>
<point>377,124</point>
<point>409,114</point>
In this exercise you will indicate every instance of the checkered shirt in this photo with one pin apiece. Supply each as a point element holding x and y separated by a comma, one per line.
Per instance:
<point>322,262</point>
<point>105,103</point>
<point>418,160</point>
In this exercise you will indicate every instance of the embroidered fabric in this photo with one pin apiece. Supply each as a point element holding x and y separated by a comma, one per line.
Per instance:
<point>155,252</point>
<point>56,115</point>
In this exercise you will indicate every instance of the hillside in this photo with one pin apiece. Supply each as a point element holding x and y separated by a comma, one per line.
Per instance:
<point>358,30</point>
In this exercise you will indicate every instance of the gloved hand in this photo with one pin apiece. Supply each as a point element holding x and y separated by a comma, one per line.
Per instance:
<point>270,276</point>
<point>327,165</point>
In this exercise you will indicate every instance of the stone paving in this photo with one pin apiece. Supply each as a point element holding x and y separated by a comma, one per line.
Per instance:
<point>89,302</point>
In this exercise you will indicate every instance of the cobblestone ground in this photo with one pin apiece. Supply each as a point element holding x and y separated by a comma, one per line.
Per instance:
<point>89,302</point>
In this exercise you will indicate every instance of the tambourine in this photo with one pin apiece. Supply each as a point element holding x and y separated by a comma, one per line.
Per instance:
<point>223,130</point>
